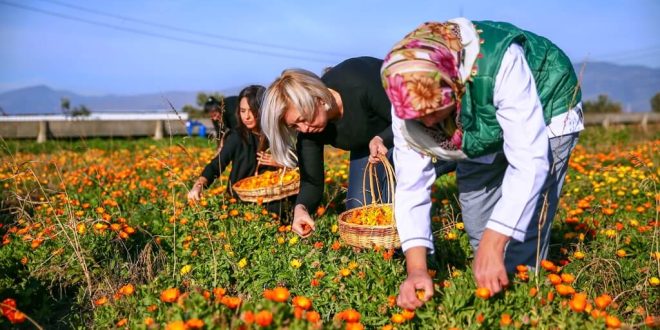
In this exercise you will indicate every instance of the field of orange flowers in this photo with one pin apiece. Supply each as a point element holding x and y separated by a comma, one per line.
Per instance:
<point>98,234</point>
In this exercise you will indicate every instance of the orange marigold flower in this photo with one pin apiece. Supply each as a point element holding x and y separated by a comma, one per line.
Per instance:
<point>533,291</point>
<point>652,321</point>
<point>554,279</point>
<point>302,302</point>
<point>263,318</point>
<point>194,324</point>
<point>280,294</point>
<point>483,293</point>
<point>391,301</point>
<point>344,272</point>
<point>564,290</point>
<point>101,301</point>
<point>298,313</point>
<point>549,266</point>
<point>320,211</point>
<point>313,316</point>
<point>596,313</point>
<point>567,278</point>
<point>408,314</point>
<point>397,318</point>
<point>170,295</point>
<point>349,315</point>
<point>505,319</point>
<point>612,322</point>
<point>127,289</point>
<point>248,317</point>
<point>523,276</point>
<point>16,317</point>
<point>354,326</point>
<point>578,303</point>
<point>231,302</point>
<point>176,325</point>
<point>603,301</point>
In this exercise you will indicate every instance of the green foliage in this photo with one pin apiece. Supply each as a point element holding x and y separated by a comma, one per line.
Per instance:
<point>655,103</point>
<point>65,244</point>
<point>602,105</point>
<point>80,111</point>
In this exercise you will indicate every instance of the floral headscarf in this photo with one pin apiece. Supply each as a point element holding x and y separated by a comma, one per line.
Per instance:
<point>420,75</point>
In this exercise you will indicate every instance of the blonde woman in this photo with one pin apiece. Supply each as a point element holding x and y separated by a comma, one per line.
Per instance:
<point>346,108</point>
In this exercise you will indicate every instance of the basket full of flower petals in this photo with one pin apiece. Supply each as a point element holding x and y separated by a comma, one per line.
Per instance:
<point>268,186</point>
<point>371,225</point>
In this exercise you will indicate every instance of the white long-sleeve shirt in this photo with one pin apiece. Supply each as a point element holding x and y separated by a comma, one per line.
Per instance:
<point>520,115</point>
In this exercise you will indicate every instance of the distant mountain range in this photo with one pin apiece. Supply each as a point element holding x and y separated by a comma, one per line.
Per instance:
<point>42,99</point>
<point>632,86</point>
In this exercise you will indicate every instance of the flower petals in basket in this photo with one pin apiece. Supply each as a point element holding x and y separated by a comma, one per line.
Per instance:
<point>268,186</point>
<point>371,225</point>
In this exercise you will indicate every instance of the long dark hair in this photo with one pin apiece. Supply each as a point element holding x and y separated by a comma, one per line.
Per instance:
<point>254,95</point>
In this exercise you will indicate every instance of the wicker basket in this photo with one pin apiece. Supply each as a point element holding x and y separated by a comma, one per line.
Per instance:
<point>269,193</point>
<point>368,236</point>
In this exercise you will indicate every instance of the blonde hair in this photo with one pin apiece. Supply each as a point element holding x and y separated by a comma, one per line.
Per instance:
<point>297,88</point>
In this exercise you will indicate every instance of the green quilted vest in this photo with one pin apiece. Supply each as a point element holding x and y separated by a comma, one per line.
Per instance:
<point>553,73</point>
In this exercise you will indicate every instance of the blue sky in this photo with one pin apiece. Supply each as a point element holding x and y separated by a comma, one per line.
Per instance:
<point>140,46</point>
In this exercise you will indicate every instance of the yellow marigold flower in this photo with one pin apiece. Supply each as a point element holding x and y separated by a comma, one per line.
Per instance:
<point>242,263</point>
<point>610,233</point>
<point>185,269</point>
<point>81,228</point>
<point>295,263</point>
<point>654,281</point>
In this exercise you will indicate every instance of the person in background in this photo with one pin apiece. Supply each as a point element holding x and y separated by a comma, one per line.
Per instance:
<point>504,103</point>
<point>243,148</point>
<point>223,121</point>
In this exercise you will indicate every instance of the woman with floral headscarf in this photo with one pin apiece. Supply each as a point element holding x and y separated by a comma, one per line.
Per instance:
<point>504,103</point>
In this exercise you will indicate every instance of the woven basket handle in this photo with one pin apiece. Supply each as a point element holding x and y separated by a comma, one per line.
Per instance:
<point>370,172</point>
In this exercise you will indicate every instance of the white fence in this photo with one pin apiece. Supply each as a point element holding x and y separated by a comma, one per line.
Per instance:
<point>45,127</point>
<point>159,125</point>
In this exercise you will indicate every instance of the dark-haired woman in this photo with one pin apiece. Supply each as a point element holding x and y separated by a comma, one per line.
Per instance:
<point>243,148</point>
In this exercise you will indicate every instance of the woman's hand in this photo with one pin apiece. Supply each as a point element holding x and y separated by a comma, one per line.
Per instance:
<point>376,148</point>
<point>195,193</point>
<point>303,224</point>
<point>265,158</point>
<point>418,279</point>
<point>488,264</point>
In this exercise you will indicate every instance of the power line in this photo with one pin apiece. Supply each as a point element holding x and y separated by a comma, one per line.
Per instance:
<point>163,36</point>
<point>194,32</point>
